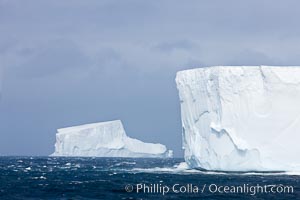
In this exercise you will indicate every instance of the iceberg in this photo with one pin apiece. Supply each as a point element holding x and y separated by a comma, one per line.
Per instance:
<point>104,139</point>
<point>241,118</point>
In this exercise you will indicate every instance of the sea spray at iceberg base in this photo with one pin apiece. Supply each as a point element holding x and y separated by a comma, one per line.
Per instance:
<point>241,118</point>
<point>104,139</point>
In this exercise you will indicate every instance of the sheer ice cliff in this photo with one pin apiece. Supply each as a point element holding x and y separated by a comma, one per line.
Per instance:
<point>241,118</point>
<point>104,139</point>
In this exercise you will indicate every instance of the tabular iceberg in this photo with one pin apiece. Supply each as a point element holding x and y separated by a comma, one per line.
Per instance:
<point>241,118</point>
<point>104,139</point>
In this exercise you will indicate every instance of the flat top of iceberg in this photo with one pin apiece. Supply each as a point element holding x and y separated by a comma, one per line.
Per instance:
<point>287,74</point>
<point>235,66</point>
<point>87,126</point>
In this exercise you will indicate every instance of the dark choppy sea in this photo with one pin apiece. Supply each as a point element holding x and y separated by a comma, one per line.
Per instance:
<point>126,178</point>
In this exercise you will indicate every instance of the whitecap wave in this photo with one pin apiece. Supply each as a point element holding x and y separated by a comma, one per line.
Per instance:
<point>124,163</point>
<point>180,168</point>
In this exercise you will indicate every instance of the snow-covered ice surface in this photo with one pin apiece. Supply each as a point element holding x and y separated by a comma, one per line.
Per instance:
<point>241,118</point>
<point>104,139</point>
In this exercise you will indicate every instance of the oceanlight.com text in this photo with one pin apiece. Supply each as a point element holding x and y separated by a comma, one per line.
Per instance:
<point>248,189</point>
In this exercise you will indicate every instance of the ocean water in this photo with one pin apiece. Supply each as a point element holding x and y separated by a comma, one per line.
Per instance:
<point>129,178</point>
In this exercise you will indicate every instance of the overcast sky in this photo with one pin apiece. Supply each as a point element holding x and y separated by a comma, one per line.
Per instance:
<point>67,63</point>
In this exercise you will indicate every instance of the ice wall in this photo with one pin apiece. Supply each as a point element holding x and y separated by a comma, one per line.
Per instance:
<point>104,139</point>
<point>241,118</point>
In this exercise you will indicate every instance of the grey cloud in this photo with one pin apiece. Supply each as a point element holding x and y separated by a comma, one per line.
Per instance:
<point>251,57</point>
<point>51,58</point>
<point>180,44</point>
<point>6,45</point>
